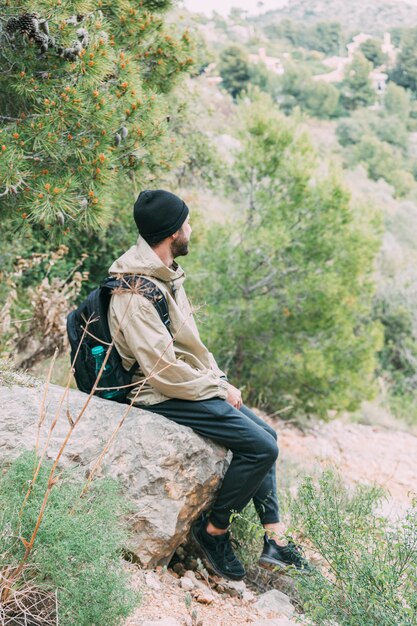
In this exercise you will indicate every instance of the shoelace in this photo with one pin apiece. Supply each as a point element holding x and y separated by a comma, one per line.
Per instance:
<point>225,548</point>
<point>295,552</point>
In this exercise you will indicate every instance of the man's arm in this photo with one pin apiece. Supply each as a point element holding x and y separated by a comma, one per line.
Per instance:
<point>216,369</point>
<point>153,349</point>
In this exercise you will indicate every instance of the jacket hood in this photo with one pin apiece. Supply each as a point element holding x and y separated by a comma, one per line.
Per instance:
<point>141,259</point>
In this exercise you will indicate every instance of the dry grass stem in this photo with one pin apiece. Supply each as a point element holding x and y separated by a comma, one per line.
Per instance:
<point>42,411</point>
<point>29,606</point>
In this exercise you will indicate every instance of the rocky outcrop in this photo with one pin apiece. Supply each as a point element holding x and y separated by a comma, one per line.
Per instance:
<point>169,473</point>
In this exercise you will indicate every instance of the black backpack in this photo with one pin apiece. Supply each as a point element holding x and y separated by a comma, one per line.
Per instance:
<point>93,347</point>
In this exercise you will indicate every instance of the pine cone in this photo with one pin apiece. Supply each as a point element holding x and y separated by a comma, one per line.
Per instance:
<point>28,23</point>
<point>13,25</point>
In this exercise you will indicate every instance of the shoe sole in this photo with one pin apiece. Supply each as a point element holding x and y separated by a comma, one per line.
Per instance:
<point>267,563</point>
<point>271,564</point>
<point>207,559</point>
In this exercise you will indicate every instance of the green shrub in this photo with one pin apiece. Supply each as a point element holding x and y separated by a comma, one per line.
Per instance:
<point>391,129</point>
<point>398,357</point>
<point>368,575</point>
<point>403,406</point>
<point>248,532</point>
<point>78,546</point>
<point>383,161</point>
<point>351,130</point>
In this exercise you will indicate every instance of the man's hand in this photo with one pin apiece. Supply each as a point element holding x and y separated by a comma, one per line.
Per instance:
<point>234,397</point>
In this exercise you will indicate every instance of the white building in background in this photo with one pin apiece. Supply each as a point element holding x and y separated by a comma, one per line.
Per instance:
<point>338,65</point>
<point>390,50</point>
<point>379,81</point>
<point>273,64</point>
<point>356,43</point>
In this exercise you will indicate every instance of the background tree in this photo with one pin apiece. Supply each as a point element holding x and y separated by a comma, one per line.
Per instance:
<point>329,37</point>
<point>356,89</point>
<point>397,101</point>
<point>371,50</point>
<point>289,285</point>
<point>320,99</point>
<point>405,71</point>
<point>383,160</point>
<point>351,130</point>
<point>82,105</point>
<point>296,87</point>
<point>292,86</point>
<point>234,70</point>
<point>326,37</point>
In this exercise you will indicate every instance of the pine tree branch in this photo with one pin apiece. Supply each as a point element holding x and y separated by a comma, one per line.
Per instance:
<point>12,188</point>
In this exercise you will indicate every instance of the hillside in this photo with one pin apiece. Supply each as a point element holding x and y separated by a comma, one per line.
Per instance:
<point>373,16</point>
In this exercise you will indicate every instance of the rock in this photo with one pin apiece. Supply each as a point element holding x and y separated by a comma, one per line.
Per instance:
<point>197,583</point>
<point>170,578</point>
<point>169,473</point>
<point>276,601</point>
<point>152,581</point>
<point>186,584</point>
<point>232,588</point>
<point>248,596</point>
<point>204,596</point>
<point>179,569</point>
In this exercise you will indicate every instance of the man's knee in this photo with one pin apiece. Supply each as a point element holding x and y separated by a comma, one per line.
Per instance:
<point>269,451</point>
<point>271,431</point>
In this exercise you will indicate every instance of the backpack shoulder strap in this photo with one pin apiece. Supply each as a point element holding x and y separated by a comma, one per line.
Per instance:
<point>146,288</point>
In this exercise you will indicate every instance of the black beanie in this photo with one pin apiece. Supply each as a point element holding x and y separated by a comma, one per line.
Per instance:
<point>158,214</point>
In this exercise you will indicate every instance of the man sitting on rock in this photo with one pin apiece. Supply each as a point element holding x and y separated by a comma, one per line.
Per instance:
<point>179,378</point>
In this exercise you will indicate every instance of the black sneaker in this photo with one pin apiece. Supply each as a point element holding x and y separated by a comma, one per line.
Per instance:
<point>217,552</point>
<point>290,555</point>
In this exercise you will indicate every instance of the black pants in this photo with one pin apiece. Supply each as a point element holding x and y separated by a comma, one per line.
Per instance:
<point>252,471</point>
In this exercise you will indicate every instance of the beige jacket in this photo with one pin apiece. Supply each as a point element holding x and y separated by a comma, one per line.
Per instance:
<point>178,367</point>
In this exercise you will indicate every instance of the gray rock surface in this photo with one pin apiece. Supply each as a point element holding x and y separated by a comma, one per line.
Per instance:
<point>169,473</point>
<point>276,601</point>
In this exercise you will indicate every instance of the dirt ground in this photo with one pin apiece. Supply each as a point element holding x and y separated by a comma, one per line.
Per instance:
<point>361,454</point>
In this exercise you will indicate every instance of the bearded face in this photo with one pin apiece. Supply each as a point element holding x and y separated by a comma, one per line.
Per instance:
<point>179,246</point>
